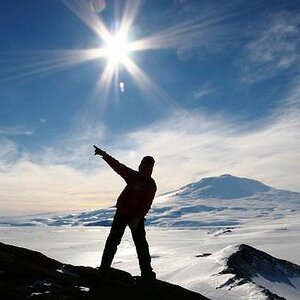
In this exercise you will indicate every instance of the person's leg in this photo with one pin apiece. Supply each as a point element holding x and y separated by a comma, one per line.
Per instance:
<point>113,240</point>
<point>142,249</point>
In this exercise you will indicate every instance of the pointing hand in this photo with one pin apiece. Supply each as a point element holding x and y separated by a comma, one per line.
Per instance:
<point>98,151</point>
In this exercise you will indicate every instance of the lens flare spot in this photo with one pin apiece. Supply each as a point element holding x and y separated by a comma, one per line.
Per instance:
<point>97,5</point>
<point>122,87</point>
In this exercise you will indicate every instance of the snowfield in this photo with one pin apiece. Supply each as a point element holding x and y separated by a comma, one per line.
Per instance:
<point>204,237</point>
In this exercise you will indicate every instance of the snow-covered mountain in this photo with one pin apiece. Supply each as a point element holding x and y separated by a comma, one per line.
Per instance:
<point>223,201</point>
<point>222,187</point>
<point>214,201</point>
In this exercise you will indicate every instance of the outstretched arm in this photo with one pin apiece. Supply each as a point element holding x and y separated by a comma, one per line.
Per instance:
<point>119,168</point>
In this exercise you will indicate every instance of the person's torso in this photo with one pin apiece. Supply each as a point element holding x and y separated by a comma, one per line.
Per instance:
<point>135,192</point>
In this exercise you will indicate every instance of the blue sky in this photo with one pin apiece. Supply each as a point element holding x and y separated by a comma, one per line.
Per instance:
<point>218,92</point>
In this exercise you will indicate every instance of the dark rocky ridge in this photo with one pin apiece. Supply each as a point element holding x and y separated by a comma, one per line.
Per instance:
<point>248,263</point>
<point>27,274</point>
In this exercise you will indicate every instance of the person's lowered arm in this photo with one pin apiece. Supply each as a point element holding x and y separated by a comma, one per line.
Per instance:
<point>119,168</point>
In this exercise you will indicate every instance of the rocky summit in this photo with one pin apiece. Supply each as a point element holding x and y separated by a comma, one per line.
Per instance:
<point>27,274</point>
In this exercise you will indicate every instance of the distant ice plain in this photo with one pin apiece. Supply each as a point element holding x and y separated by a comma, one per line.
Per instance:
<point>173,250</point>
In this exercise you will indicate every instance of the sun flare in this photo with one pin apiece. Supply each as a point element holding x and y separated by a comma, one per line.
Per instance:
<point>117,49</point>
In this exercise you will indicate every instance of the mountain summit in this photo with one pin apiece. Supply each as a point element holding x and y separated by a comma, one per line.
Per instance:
<point>222,187</point>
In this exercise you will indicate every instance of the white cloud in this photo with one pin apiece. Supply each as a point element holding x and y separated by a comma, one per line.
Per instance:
<point>32,187</point>
<point>274,48</point>
<point>66,176</point>
<point>72,148</point>
<point>8,152</point>
<point>185,153</point>
<point>15,131</point>
<point>186,146</point>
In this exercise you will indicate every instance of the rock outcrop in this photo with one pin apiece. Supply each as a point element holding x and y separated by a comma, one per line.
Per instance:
<point>274,277</point>
<point>27,274</point>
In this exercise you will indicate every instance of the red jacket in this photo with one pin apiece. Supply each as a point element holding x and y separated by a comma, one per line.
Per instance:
<point>136,198</point>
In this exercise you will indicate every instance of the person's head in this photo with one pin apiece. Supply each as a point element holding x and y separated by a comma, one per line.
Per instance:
<point>146,166</point>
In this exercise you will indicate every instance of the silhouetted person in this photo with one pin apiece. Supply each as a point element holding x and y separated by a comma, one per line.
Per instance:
<point>132,205</point>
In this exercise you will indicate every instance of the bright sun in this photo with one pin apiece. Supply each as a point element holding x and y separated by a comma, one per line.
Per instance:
<point>117,49</point>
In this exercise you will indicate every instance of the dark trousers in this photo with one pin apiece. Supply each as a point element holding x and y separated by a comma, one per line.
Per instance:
<point>114,239</point>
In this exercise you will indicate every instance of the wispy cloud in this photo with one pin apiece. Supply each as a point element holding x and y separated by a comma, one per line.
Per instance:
<point>202,91</point>
<point>191,145</point>
<point>32,187</point>
<point>274,48</point>
<point>269,154</point>
<point>8,152</point>
<point>15,131</point>
<point>71,146</point>
<point>187,146</point>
